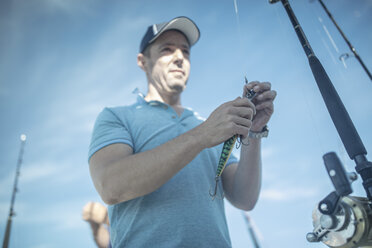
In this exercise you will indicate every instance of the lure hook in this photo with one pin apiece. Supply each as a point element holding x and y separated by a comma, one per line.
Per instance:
<point>240,142</point>
<point>213,195</point>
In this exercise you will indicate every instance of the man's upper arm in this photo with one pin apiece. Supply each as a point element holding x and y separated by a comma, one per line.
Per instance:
<point>109,129</point>
<point>109,154</point>
<point>99,165</point>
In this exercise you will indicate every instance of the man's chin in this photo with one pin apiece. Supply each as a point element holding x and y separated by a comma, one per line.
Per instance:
<point>178,88</point>
<point>178,85</point>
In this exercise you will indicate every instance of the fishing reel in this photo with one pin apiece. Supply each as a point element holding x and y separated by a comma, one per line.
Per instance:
<point>341,220</point>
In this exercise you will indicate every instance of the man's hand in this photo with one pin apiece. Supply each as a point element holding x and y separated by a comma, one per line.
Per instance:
<point>229,119</point>
<point>95,212</point>
<point>263,102</point>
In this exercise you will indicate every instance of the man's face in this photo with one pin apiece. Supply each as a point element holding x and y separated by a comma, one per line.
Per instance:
<point>168,64</point>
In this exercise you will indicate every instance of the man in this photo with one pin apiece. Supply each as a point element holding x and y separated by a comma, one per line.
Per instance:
<point>154,162</point>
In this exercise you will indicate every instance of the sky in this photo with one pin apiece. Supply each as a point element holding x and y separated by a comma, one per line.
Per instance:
<point>63,61</point>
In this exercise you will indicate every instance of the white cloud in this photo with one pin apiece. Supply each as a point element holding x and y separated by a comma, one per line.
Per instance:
<point>66,6</point>
<point>43,246</point>
<point>38,171</point>
<point>49,171</point>
<point>61,216</point>
<point>6,184</point>
<point>267,151</point>
<point>288,194</point>
<point>4,208</point>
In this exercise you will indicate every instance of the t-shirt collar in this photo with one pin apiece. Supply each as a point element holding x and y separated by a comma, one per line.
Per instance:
<point>141,100</point>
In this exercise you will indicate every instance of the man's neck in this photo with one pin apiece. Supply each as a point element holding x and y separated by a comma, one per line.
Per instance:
<point>172,100</point>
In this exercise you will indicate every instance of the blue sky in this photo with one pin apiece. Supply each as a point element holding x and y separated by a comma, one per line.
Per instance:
<point>62,61</point>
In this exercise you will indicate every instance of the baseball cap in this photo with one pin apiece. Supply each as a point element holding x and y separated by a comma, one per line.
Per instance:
<point>181,23</point>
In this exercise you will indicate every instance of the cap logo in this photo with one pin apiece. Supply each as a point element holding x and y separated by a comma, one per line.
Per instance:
<point>154,29</point>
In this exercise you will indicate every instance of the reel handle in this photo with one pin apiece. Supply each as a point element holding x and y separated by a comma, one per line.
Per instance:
<point>340,180</point>
<point>337,173</point>
<point>329,204</point>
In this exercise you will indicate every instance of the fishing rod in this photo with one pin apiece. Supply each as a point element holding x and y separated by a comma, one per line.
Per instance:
<point>339,220</point>
<point>346,40</point>
<point>15,189</point>
<point>251,231</point>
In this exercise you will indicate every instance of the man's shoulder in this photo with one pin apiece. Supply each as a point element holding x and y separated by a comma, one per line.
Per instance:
<point>116,112</point>
<point>122,108</point>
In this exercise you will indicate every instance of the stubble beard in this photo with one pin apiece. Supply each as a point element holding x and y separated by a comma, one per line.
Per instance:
<point>178,86</point>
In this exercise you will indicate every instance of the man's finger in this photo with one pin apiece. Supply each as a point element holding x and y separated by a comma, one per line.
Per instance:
<point>243,112</point>
<point>243,122</point>
<point>267,95</point>
<point>265,105</point>
<point>250,85</point>
<point>242,102</point>
<point>262,87</point>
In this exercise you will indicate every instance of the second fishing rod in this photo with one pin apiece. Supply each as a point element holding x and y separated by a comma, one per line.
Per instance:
<point>340,117</point>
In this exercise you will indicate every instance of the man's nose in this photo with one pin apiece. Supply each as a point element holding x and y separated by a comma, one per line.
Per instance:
<point>178,55</point>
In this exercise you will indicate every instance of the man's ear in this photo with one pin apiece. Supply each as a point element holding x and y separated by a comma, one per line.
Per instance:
<point>141,61</point>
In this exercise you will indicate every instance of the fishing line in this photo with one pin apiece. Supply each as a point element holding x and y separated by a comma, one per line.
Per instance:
<point>319,23</point>
<point>315,10</point>
<point>341,57</point>
<point>328,34</point>
<point>227,147</point>
<point>237,18</point>
<point>328,49</point>
<point>251,230</point>
<point>241,48</point>
<point>353,50</point>
<point>240,45</point>
<point>236,9</point>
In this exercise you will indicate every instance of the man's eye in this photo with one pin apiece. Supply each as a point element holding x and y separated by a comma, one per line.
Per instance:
<point>166,49</point>
<point>186,52</point>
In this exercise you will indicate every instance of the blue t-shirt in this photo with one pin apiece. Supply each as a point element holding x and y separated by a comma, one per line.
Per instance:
<point>181,212</point>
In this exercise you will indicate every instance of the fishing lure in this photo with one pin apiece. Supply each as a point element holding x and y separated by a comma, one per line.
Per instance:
<point>227,149</point>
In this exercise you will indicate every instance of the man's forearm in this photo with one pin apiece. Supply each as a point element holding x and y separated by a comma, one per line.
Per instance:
<point>127,177</point>
<point>100,235</point>
<point>247,179</point>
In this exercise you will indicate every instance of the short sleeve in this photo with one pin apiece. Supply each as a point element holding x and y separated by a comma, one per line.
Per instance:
<point>108,129</point>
